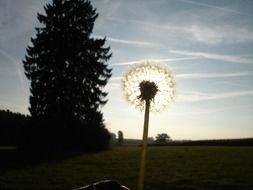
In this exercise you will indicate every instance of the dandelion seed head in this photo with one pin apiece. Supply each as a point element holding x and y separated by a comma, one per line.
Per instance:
<point>159,81</point>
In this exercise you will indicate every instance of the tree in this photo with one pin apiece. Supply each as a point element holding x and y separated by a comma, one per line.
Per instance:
<point>162,138</point>
<point>120,138</point>
<point>68,69</point>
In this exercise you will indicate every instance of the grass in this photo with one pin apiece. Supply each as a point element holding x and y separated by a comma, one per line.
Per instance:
<point>187,168</point>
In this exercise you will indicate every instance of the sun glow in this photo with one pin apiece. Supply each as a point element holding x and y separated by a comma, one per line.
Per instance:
<point>160,75</point>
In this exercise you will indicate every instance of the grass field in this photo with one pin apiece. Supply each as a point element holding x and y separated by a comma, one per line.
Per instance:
<point>199,167</point>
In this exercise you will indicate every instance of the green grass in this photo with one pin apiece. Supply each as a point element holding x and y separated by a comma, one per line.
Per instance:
<point>167,168</point>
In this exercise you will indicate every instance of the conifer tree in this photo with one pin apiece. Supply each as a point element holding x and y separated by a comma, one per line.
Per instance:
<point>67,67</point>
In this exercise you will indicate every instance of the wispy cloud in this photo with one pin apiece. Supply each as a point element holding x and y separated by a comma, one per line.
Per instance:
<point>115,78</point>
<point>126,63</point>
<point>16,65</point>
<point>157,60</point>
<point>212,75</point>
<point>219,34</point>
<point>128,42</point>
<point>175,59</point>
<point>202,75</point>
<point>199,96</point>
<point>220,57</point>
<point>234,84</point>
<point>140,23</point>
<point>18,19</point>
<point>198,31</point>
<point>193,111</point>
<point>106,9</point>
<point>225,9</point>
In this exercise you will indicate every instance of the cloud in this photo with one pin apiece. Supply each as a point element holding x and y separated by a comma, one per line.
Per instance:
<point>196,111</point>
<point>219,34</point>
<point>131,42</point>
<point>225,9</point>
<point>197,30</point>
<point>140,23</point>
<point>106,9</point>
<point>234,84</point>
<point>212,75</point>
<point>156,60</point>
<point>115,79</point>
<point>126,63</point>
<point>128,42</point>
<point>220,57</point>
<point>199,96</point>
<point>186,111</point>
<point>202,75</point>
<point>18,18</point>
<point>16,64</point>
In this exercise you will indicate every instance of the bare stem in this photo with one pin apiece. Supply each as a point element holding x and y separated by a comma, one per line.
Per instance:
<point>144,146</point>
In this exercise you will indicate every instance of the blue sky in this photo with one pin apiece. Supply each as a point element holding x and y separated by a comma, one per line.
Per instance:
<point>208,45</point>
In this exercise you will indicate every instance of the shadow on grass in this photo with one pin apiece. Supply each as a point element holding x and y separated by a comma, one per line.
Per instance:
<point>12,159</point>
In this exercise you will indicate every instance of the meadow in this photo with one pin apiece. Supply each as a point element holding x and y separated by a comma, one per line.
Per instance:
<point>179,167</point>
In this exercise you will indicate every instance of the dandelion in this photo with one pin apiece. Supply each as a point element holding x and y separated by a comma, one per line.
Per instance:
<point>142,75</point>
<point>152,87</point>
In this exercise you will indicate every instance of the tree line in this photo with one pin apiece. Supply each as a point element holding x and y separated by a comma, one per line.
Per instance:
<point>11,125</point>
<point>216,142</point>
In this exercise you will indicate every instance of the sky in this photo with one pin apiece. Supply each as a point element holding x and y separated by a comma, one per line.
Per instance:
<point>208,46</point>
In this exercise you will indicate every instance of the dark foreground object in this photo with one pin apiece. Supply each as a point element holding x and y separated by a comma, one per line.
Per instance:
<point>104,185</point>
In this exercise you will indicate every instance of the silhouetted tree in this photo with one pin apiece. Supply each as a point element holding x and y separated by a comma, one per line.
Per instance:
<point>10,126</point>
<point>68,69</point>
<point>120,138</point>
<point>162,138</point>
<point>113,138</point>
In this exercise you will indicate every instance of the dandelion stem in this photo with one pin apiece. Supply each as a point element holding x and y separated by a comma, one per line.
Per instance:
<point>144,146</point>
